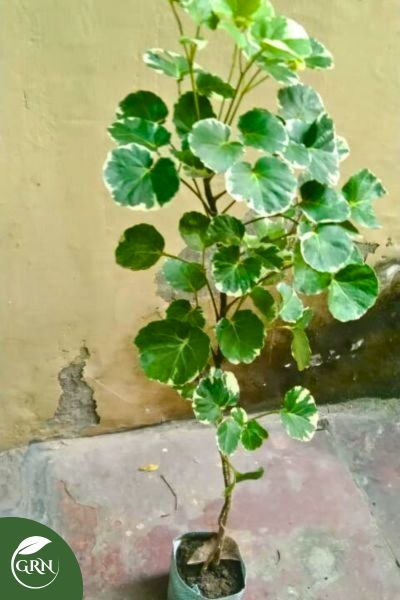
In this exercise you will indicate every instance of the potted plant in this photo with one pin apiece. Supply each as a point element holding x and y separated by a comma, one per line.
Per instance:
<point>295,234</point>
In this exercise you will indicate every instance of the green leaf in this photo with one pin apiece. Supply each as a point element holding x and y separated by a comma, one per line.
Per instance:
<point>135,130</point>
<point>352,292</point>
<point>192,165</point>
<point>166,62</point>
<point>326,248</point>
<point>210,85</point>
<point>322,204</point>
<point>320,140</point>
<point>240,11</point>
<point>200,11</point>
<point>143,105</point>
<point>269,256</point>
<point>262,130</point>
<point>241,338</point>
<point>185,114</point>
<point>226,230</point>
<point>300,102</point>
<point>193,228</point>
<point>292,307</point>
<point>209,141</point>
<point>253,435</point>
<point>320,57</point>
<point>299,415</point>
<point>228,436</point>
<point>307,280</point>
<point>251,475</point>
<point>268,188</point>
<point>172,352</point>
<point>300,348</point>
<point>184,276</point>
<point>135,181</point>
<point>234,274</point>
<point>282,38</point>
<point>182,310</point>
<point>343,148</point>
<point>278,70</point>
<point>360,191</point>
<point>240,415</point>
<point>265,302</point>
<point>215,392</point>
<point>140,247</point>
<point>315,147</point>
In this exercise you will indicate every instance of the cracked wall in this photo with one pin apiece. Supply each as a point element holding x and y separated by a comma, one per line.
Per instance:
<point>64,68</point>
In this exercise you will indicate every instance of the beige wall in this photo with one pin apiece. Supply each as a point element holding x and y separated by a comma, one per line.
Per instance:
<point>64,66</point>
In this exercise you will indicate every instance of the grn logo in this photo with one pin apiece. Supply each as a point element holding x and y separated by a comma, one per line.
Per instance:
<point>33,565</point>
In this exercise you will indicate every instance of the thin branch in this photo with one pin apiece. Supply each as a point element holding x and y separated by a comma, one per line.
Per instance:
<point>168,255</point>
<point>218,196</point>
<point>213,300</point>
<point>228,207</point>
<point>232,70</point>
<point>196,193</point>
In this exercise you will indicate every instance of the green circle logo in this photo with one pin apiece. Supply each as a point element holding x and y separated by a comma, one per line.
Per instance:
<point>35,562</point>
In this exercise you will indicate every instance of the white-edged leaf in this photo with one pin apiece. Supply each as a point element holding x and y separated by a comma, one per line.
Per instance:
<point>299,415</point>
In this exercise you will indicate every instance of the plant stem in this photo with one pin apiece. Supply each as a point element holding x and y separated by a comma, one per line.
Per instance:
<point>232,69</point>
<point>228,207</point>
<point>212,204</point>
<point>189,57</point>
<point>197,193</point>
<point>167,255</point>
<point>229,481</point>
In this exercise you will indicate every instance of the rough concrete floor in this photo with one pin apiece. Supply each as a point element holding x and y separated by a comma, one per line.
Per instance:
<point>323,524</point>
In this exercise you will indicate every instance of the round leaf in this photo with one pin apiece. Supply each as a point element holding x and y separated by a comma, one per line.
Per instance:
<point>262,130</point>
<point>300,102</point>
<point>360,191</point>
<point>241,338</point>
<point>182,310</point>
<point>184,276</point>
<point>228,436</point>
<point>320,57</point>
<point>134,181</point>
<point>282,38</point>
<point>322,204</point>
<point>264,301</point>
<point>352,292</point>
<point>209,141</point>
<point>226,230</point>
<point>140,247</point>
<point>307,280</point>
<point>143,105</point>
<point>166,62</point>
<point>135,130</point>
<point>193,228</point>
<point>253,435</point>
<point>234,274</point>
<point>299,415</point>
<point>215,392</point>
<point>269,187</point>
<point>172,352</point>
<point>208,85</point>
<point>326,248</point>
<point>185,113</point>
<point>292,307</point>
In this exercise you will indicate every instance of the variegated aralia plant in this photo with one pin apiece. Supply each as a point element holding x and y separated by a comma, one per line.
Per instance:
<point>299,237</point>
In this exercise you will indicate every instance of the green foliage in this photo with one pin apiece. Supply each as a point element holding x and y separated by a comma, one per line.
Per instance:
<point>299,238</point>
<point>299,414</point>
<point>140,247</point>
<point>209,141</point>
<point>172,352</point>
<point>241,338</point>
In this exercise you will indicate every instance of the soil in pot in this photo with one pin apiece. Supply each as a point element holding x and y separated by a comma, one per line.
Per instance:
<point>220,581</point>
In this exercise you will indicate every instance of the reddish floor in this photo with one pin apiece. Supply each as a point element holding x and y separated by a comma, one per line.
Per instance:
<point>323,524</point>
